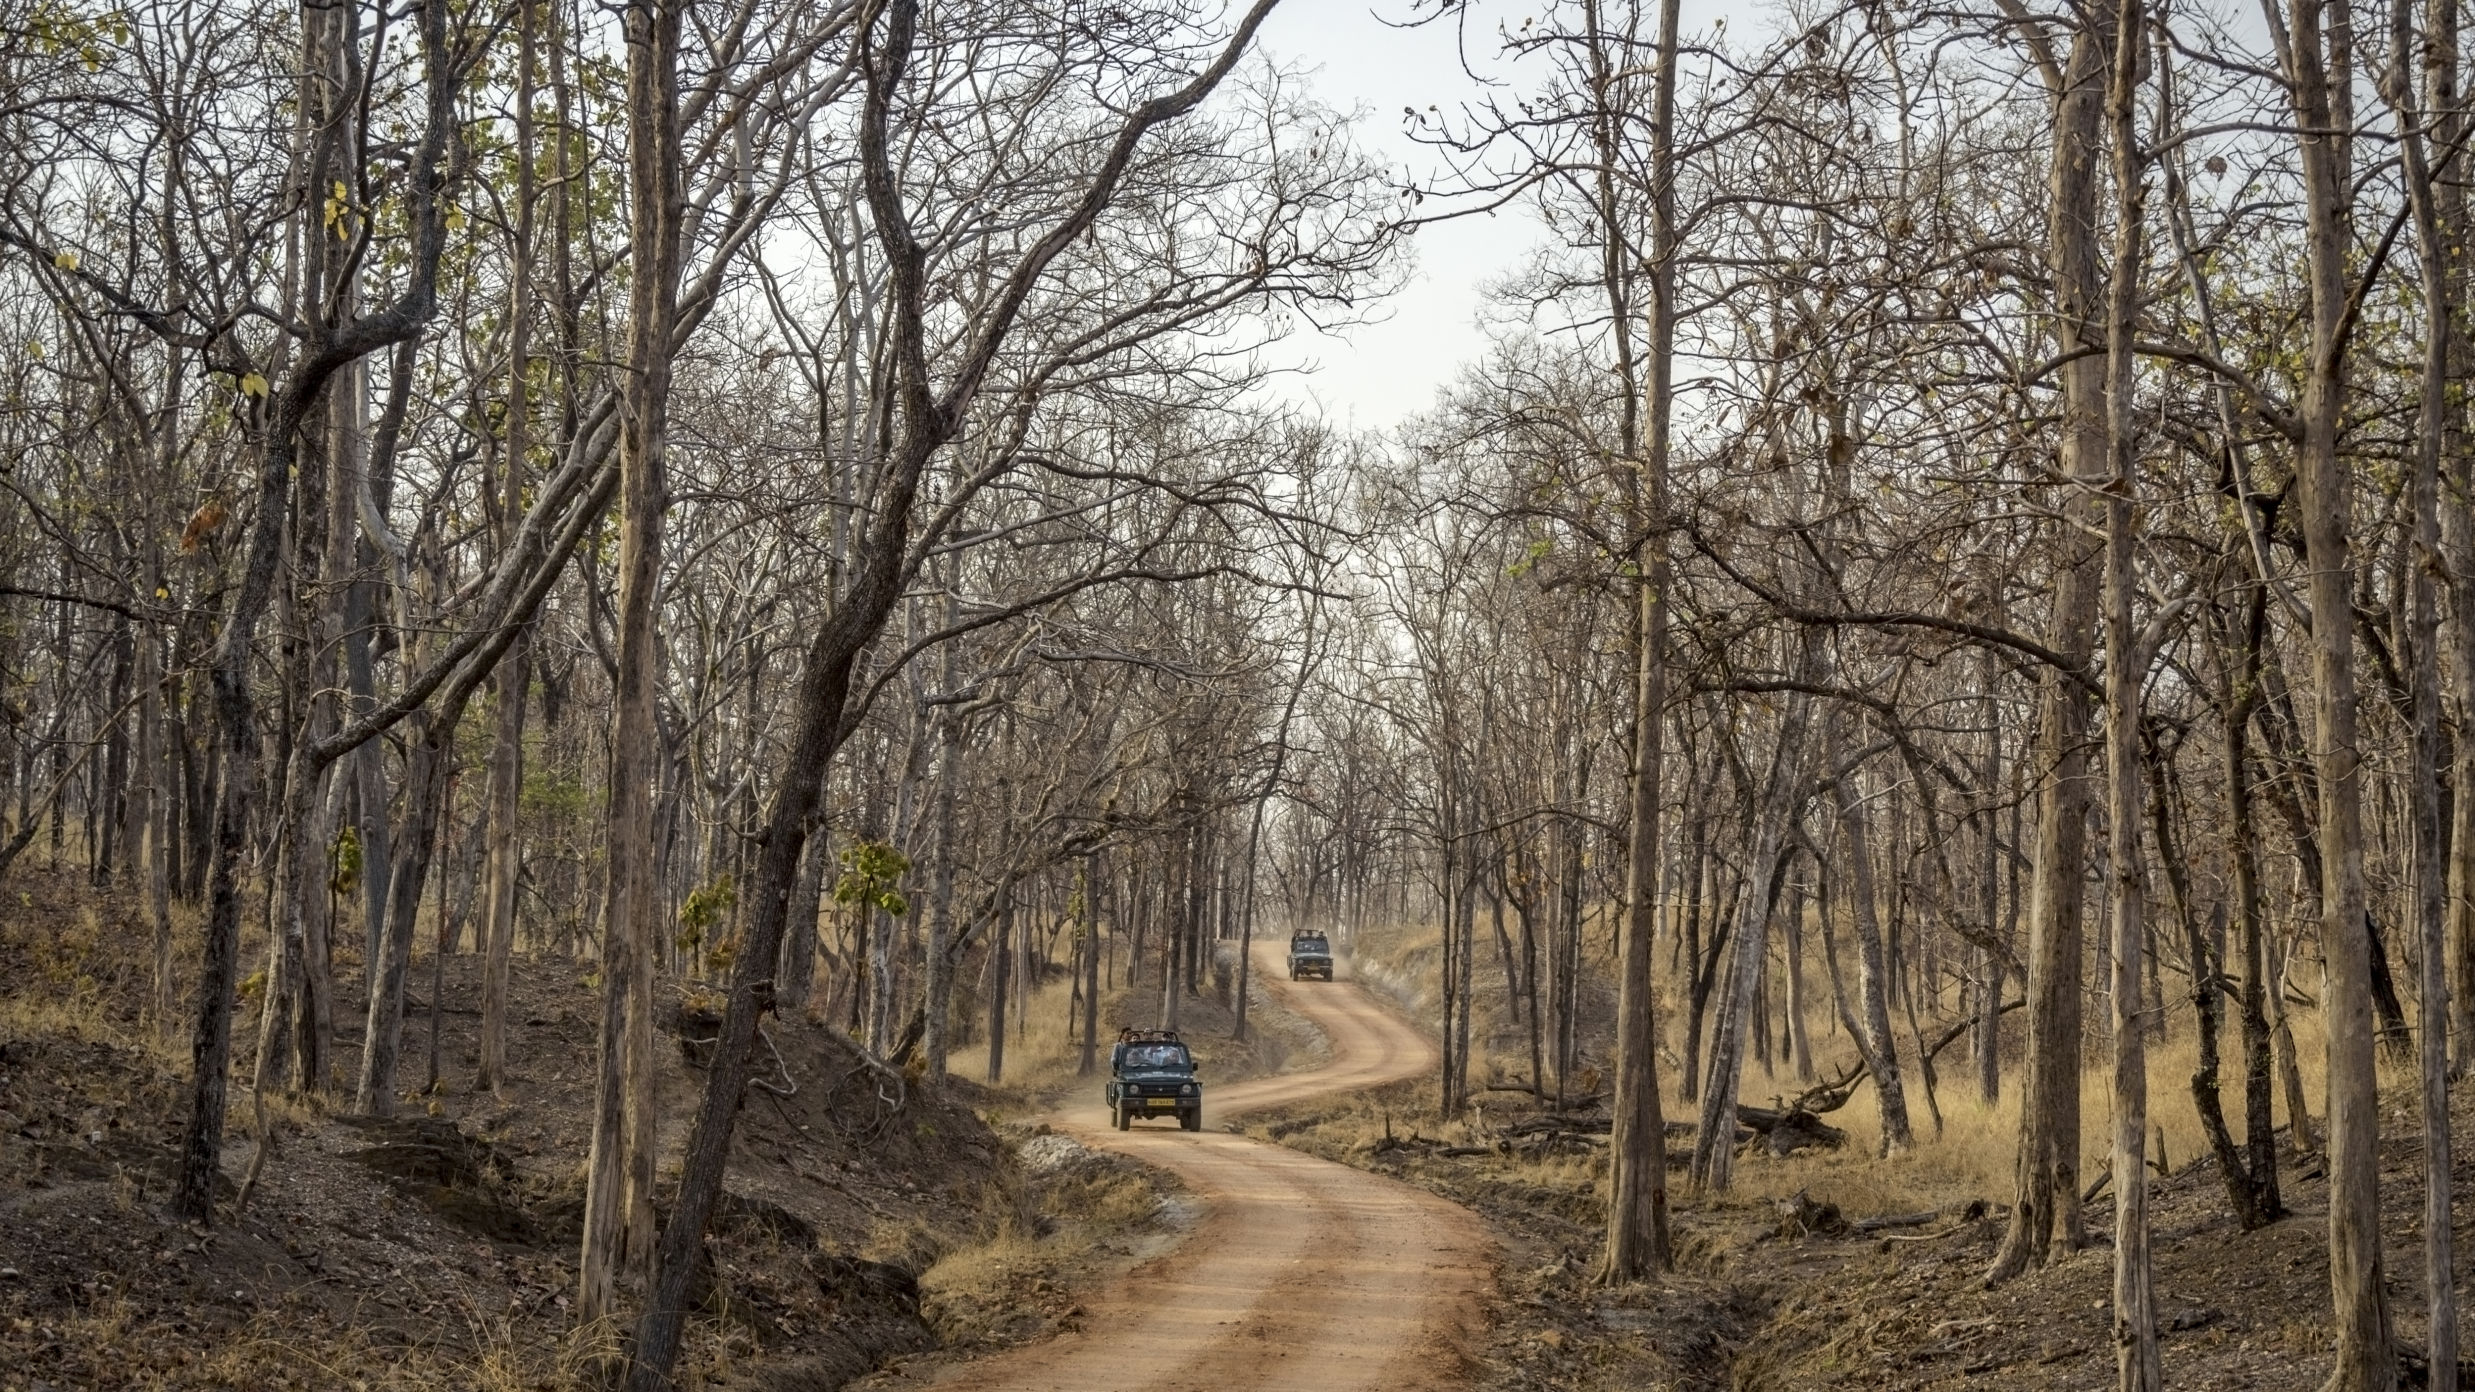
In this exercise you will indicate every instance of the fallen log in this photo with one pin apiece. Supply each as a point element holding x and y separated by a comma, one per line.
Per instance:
<point>1836,1093</point>
<point>1787,1130</point>
<point>1803,1217</point>
<point>1889,1221</point>
<point>1559,1126</point>
<point>1963,1213</point>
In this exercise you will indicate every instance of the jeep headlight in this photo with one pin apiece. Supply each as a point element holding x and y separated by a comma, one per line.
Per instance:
<point>1189,1089</point>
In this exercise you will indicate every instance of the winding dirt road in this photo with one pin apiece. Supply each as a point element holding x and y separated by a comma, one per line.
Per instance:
<point>1303,1275</point>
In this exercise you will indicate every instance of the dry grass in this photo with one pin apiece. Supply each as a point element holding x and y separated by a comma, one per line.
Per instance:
<point>1971,1154</point>
<point>1404,961</point>
<point>1043,1047</point>
<point>1748,1306</point>
<point>1047,1235</point>
<point>78,1015</point>
<point>285,1350</point>
<point>62,985</point>
<point>312,1285</point>
<point>1043,1044</point>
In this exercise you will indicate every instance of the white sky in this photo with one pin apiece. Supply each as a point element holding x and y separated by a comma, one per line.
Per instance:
<point>1375,374</point>
<point>1372,376</point>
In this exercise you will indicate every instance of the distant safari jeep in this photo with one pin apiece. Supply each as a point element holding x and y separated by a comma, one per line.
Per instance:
<point>1152,1075</point>
<point>1309,955</point>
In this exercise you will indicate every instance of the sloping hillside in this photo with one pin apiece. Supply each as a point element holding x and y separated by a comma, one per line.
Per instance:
<point>438,1249</point>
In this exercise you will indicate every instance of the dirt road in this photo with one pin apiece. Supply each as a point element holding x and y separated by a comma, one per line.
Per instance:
<point>1303,1275</point>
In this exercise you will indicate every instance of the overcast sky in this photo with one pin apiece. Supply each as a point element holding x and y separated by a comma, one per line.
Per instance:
<point>1375,374</point>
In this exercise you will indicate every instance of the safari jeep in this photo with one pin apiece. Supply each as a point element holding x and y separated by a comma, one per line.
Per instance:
<point>1310,955</point>
<point>1152,1075</point>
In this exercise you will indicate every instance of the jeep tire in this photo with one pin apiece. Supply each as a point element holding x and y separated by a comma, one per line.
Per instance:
<point>1120,1115</point>
<point>1191,1119</point>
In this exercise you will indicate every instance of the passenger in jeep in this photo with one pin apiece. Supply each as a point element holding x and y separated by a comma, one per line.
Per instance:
<point>1151,1074</point>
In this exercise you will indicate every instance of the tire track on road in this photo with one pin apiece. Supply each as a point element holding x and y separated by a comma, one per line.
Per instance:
<point>1303,1275</point>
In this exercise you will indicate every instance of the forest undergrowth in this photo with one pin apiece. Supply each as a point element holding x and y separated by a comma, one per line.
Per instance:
<point>1844,1268</point>
<point>863,1224</point>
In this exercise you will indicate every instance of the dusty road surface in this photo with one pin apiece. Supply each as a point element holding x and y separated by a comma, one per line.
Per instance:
<point>1302,1276</point>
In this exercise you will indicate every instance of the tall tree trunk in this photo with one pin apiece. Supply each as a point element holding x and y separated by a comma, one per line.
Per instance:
<point>1873,1012</point>
<point>1568,962</point>
<point>155,762</point>
<point>291,1027</point>
<point>1000,977</point>
<point>1637,1230</point>
<point>1464,959</point>
<point>797,971</point>
<point>349,464</point>
<point>883,956</point>
<point>1027,967</point>
<point>426,774</point>
<point>1448,978</point>
<point>504,867</point>
<point>1088,881</point>
<point>940,986</point>
<point>2137,1368</point>
<point>501,863</point>
<point>2317,45</point>
<point>1535,1002</point>
<point>2457,516</point>
<point>2243,878</point>
<point>1496,892</point>
<point>1175,905</point>
<point>367,765</point>
<point>1714,1146</point>
<point>1988,1042</point>
<point>2046,1191</point>
<point>1799,1044</point>
<point>618,1219</point>
<point>2428,878</point>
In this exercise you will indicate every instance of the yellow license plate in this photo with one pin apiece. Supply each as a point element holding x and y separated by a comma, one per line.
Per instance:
<point>1161,1102</point>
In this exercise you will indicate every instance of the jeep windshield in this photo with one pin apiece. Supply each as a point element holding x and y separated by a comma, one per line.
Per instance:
<point>1310,947</point>
<point>1156,1058</point>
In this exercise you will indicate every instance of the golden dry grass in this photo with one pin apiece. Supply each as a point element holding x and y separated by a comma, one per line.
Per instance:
<point>1972,1153</point>
<point>1042,1046</point>
<point>1044,1236</point>
<point>61,993</point>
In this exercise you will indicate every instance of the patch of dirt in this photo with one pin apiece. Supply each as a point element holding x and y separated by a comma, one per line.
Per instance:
<point>437,1248</point>
<point>2235,1309</point>
<point>1793,1294</point>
